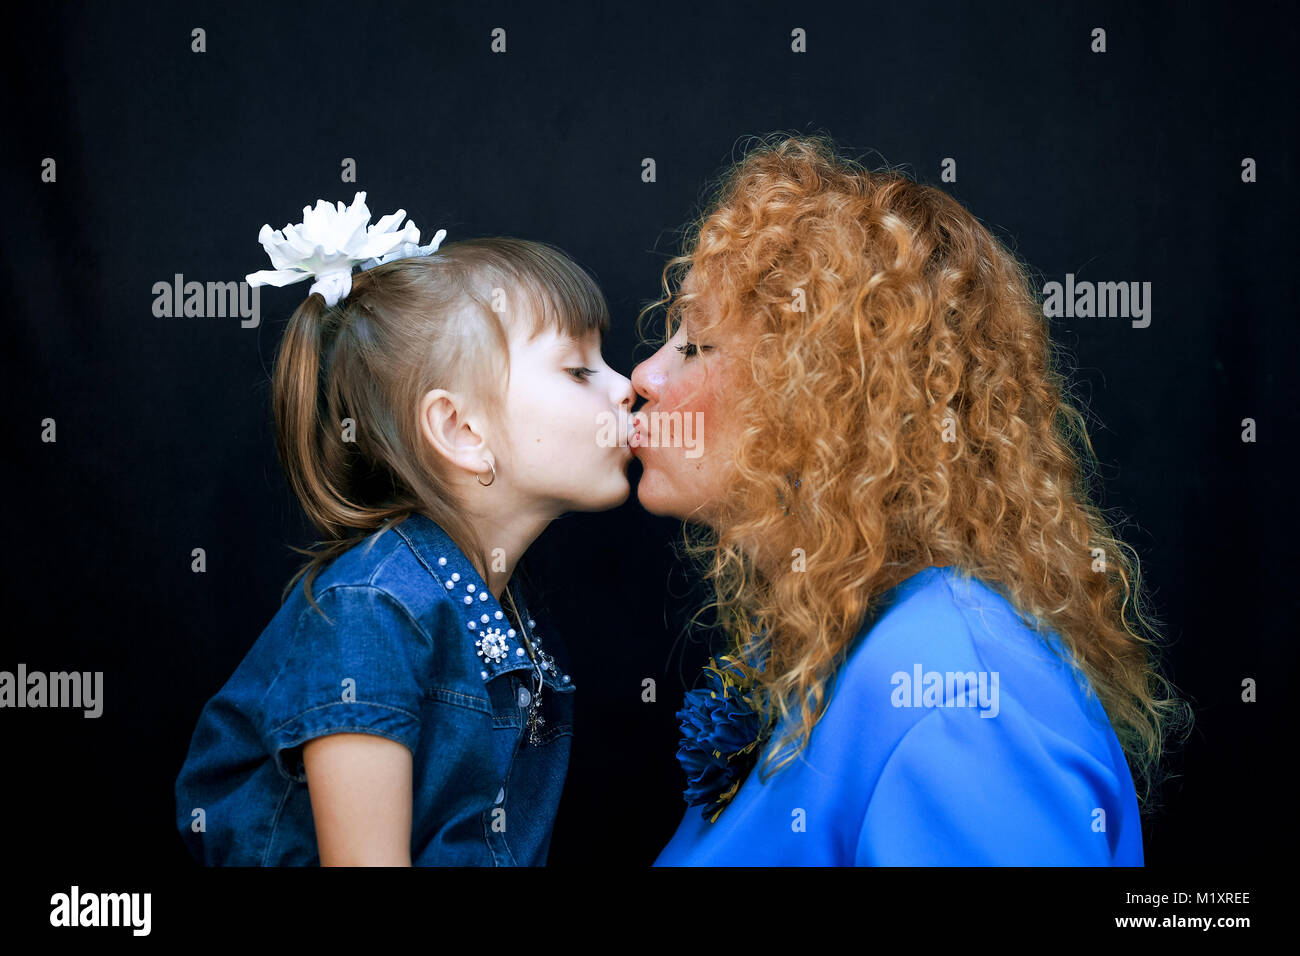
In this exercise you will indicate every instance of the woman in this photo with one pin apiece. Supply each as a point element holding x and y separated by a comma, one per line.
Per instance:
<point>935,654</point>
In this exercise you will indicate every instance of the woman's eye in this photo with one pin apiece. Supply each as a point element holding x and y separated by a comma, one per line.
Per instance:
<point>581,374</point>
<point>690,349</point>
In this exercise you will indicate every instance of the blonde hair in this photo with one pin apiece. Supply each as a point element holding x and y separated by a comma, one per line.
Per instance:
<point>406,327</point>
<point>916,321</point>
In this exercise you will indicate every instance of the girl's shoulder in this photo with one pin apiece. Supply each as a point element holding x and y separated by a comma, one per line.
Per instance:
<point>414,572</point>
<point>413,564</point>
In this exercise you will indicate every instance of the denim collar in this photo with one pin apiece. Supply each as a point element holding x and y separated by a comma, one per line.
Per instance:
<point>490,640</point>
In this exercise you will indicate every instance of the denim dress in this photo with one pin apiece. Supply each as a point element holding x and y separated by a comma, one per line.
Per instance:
<point>413,647</point>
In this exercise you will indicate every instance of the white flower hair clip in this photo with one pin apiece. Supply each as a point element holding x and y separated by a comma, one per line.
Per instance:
<point>330,241</point>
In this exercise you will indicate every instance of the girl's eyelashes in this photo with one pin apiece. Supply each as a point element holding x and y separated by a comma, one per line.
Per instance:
<point>582,374</point>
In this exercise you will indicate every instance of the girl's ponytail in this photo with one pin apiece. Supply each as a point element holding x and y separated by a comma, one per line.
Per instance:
<point>312,450</point>
<point>296,400</point>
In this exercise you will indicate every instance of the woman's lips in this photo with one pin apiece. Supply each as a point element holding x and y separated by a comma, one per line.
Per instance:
<point>636,437</point>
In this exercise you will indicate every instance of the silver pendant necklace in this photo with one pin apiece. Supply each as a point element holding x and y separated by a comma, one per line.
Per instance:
<point>535,718</point>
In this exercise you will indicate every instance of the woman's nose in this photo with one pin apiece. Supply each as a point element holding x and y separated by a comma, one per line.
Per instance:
<point>647,379</point>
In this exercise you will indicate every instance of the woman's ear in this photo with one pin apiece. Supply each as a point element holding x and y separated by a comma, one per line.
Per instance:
<point>452,434</point>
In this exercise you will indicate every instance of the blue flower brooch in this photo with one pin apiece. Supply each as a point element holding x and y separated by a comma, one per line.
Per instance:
<point>721,736</point>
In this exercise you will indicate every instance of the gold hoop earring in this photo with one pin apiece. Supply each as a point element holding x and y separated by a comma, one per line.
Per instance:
<point>494,476</point>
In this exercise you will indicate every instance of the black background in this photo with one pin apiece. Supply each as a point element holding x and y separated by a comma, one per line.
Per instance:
<point>1123,166</point>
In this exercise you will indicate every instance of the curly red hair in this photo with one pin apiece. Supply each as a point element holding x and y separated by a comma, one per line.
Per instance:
<point>903,411</point>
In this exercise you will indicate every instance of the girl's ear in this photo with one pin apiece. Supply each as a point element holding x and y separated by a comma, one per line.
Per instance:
<point>450,432</point>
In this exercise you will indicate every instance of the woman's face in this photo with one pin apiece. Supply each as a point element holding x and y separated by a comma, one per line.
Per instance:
<point>684,436</point>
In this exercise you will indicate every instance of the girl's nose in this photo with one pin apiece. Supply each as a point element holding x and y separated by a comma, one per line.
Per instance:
<point>624,392</point>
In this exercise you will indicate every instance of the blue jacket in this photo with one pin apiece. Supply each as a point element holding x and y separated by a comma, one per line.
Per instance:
<point>415,649</point>
<point>954,736</point>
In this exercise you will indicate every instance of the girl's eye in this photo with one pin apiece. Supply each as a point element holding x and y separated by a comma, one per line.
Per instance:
<point>690,349</point>
<point>581,374</point>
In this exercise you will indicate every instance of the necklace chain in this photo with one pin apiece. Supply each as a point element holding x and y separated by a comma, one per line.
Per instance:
<point>535,718</point>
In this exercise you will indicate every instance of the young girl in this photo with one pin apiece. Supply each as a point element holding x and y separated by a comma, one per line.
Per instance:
<point>434,412</point>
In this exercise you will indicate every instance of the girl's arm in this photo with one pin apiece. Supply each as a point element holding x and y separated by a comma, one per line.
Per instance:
<point>360,789</point>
